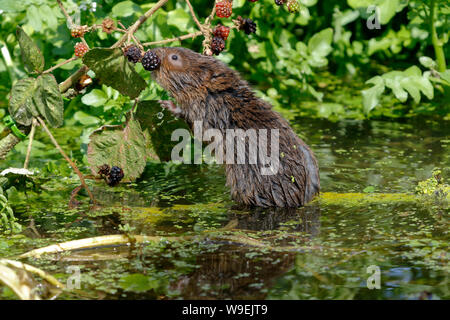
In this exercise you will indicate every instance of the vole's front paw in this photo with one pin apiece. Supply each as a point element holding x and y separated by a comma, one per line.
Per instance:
<point>172,107</point>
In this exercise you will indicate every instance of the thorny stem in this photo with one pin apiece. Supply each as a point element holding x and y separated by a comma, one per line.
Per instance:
<point>180,38</point>
<point>72,164</point>
<point>60,64</point>
<point>30,144</point>
<point>199,25</point>
<point>68,18</point>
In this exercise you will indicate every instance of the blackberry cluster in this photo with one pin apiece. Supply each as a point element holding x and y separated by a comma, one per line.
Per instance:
<point>224,9</point>
<point>80,49</point>
<point>115,175</point>
<point>221,32</point>
<point>133,54</point>
<point>150,61</point>
<point>78,31</point>
<point>248,26</point>
<point>217,45</point>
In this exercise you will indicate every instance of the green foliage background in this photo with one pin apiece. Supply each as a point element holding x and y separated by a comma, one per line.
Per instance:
<point>314,62</point>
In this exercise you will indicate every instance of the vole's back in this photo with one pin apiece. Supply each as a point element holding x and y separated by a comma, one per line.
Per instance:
<point>207,90</point>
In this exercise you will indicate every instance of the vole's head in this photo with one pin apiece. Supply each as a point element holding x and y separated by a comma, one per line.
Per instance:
<point>188,75</point>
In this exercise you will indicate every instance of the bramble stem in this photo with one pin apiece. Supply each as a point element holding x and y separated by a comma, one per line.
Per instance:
<point>180,38</point>
<point>60,64</point>
<point>72,164</point>
<point>30,144</point>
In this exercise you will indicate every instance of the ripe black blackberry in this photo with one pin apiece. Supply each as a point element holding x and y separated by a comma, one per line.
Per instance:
<point>217,45</point>
<point>150,61</point>
<point>280,2</point>
<point>248,26</point>
<point>115,175</point>
<point>133,54</point>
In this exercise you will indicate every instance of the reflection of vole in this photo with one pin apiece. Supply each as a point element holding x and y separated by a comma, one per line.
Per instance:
<point>207,90</point>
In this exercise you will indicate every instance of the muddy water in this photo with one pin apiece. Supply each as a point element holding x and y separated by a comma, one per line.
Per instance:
<point>335,248</point>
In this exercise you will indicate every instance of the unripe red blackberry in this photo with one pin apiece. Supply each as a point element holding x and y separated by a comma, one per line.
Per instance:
<point>293,6</point>
<point>80,49</point>
<point>78,31</point>
<point>217,45</point>
<point>252,0</point>
<point>115,175</point>
<point>224,8</point>
<point>280,2</point>
<point>133,54</point>
<point>222,32</point>
<point>150,61</point>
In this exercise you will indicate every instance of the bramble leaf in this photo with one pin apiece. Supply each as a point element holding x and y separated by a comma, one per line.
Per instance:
<point>113,69</point>
<point>31,55</point>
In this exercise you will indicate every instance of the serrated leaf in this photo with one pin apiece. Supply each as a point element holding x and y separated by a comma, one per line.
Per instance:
<point>21,104</point>
<point>158,123</point>
<point>124,147</point>
<point>31,55</point>
<point>113,69</point>
<point>48,100</point>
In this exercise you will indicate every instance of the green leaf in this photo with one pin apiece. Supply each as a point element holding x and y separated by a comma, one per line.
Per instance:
<point>21,104</point>
<point>95,98</point>
<point>48,100</point>
<point>138,283</point>
<point>424,85</point>
<point>158,124</point>
<point>31,55</point>
<point>125,9</point>
<point>179,18</point>
<point>427,62</point>
<point>125,147</point>
<point>85,119</point>
<point>411,88</point>
<point>320,43</point>
<point>308,3</point>
<point>371,96</point>
<point>113,69</point>
<point>34,18</point>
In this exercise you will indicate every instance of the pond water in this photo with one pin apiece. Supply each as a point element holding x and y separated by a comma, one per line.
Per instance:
<point>211,250</point>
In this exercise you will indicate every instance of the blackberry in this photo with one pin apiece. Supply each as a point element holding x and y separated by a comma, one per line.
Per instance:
<point>222,32</point>
<point>252,0</point>
<point>217,45</point>
<point>80,49</point>
<point>115,175</point>
<point>248,26</point>
<point>150,61</point>
<point>133,54</point>
<point>78,31</point>
<point>280,2</point>
<point>224,9</point>
<point>293,6</point>
<point>104,170</point>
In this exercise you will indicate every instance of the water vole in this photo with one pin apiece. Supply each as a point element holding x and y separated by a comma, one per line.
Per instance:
<point>207,90</point>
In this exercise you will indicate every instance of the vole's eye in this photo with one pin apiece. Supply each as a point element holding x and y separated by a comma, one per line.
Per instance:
<point>174,57</point>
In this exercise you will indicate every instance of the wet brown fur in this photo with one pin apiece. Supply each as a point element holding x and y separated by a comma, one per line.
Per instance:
<point>207,90</point>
